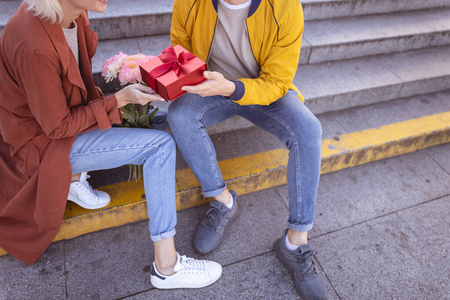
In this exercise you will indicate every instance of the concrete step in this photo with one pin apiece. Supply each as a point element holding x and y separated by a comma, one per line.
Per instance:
<point>121,20</point>
<point>330,9</point>
<point>345,38</point>
<point>331,40</point>
<point>349,83</point>
<point>141,18</point>
<point>351,137</point>
<point>137,18</point>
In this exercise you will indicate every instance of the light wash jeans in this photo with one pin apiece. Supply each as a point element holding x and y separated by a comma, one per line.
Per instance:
<point>287,118</point>
<point>154,149</point>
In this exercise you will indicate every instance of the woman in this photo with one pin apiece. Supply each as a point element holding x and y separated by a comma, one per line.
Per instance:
<point>55,122</point>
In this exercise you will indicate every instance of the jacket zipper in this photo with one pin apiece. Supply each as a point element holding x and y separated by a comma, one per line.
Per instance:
<point>212,40</point>
<point>250,43</point>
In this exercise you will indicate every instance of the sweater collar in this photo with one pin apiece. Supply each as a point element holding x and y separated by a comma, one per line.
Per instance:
<point>253,7</point>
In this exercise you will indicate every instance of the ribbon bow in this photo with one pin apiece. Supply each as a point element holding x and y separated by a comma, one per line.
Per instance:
<point>171,62</point>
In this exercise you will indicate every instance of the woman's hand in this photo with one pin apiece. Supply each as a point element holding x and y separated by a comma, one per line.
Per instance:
<point>214,85</point>
<point>137,94</point>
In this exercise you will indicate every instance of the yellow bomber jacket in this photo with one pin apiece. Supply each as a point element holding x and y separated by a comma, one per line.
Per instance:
<point>275,30</point>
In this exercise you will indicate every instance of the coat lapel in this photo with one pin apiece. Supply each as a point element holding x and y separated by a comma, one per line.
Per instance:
<point>68,61</point>
<point>87,44</point>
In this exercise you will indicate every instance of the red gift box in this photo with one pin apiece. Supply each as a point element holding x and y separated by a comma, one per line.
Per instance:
<point>174,68</point>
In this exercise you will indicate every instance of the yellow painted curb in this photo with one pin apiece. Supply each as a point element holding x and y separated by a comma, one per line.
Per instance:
<point>261,171</point>
<point>369,145</point>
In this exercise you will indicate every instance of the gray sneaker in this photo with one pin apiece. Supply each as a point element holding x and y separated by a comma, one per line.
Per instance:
<point>308,282</point>
<point>210,232</point>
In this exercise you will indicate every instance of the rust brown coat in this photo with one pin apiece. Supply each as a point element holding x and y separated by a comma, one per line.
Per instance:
<point>46,99</point>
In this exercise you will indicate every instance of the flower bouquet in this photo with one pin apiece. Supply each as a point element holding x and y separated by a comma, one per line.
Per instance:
<point>126,69</point>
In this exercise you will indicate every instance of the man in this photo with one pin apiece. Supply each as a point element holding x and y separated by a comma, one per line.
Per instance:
<point>252,48</point>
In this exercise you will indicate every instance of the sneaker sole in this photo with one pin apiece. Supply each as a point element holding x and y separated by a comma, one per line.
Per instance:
<point>159,284</point>
<point>74,200</point>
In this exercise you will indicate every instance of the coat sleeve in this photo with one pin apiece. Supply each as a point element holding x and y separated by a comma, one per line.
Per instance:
<point>279,68</point>
<point>39,76</point>
<point>178,33</point>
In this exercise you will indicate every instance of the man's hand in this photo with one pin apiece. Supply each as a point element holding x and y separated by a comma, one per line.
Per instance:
<point>214,85</point>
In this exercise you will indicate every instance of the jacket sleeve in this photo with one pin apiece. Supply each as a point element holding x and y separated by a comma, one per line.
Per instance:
<point>178,33</point>
<point>279,68</point>
<point>39,76</point>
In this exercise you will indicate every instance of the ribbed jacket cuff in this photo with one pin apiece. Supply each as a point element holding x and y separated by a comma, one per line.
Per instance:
<point>239,91</point>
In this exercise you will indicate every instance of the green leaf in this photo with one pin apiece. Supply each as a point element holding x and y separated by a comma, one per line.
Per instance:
<point>136,115</point>
<point>152,115</point>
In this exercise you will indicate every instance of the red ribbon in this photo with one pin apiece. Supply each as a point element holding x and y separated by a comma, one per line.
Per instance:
<point>171,62</point>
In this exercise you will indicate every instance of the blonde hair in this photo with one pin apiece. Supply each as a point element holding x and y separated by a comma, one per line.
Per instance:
<point>46,9</point>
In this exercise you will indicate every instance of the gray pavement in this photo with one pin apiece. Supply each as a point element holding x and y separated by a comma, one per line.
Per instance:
<point>382,232</point>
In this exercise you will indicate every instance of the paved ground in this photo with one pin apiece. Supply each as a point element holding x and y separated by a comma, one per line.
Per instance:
<point>382,232</point>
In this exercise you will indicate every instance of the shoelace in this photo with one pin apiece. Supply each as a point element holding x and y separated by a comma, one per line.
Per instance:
<point>213,216</point>
<point>191,264</point>
<point>87,186</point>
<point>306,262</point>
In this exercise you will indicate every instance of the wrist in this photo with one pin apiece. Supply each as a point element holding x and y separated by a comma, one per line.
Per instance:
<point>119,98</point>
<point>230,88</point>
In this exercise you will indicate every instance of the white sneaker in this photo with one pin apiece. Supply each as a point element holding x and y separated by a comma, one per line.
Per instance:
<point>82,194</point>
<point>190,273</point>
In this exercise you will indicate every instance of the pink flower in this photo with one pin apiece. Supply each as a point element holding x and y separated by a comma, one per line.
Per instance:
<point>129,72</point>
<point>111,66</point>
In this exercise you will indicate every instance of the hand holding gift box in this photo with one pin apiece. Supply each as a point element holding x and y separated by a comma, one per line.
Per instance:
<point>174,68</point>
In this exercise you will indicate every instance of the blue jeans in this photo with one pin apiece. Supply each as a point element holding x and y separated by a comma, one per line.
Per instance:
<point>154,149</point>
<point>287,118</point>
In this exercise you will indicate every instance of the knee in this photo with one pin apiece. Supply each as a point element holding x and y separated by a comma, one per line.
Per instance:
<point>307,132</point>
<point>167,142</point>
<point>314,128</point>
<point>163,143</point>
<point>183,111</point>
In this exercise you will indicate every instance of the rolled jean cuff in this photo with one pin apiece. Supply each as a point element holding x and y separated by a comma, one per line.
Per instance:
<point>300,227</point>
<point>215,192</point>
<point>163,236</point>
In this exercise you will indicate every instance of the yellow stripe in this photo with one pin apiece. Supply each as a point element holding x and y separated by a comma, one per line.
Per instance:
<point>390,140</point>
<point>260,171</point>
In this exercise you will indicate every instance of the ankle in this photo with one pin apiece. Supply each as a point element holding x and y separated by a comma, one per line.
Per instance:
<point>76,177</point>
<point>225,197</point>
<point>297,238</point>
<point>165,269</point>
<point>165,256</point>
